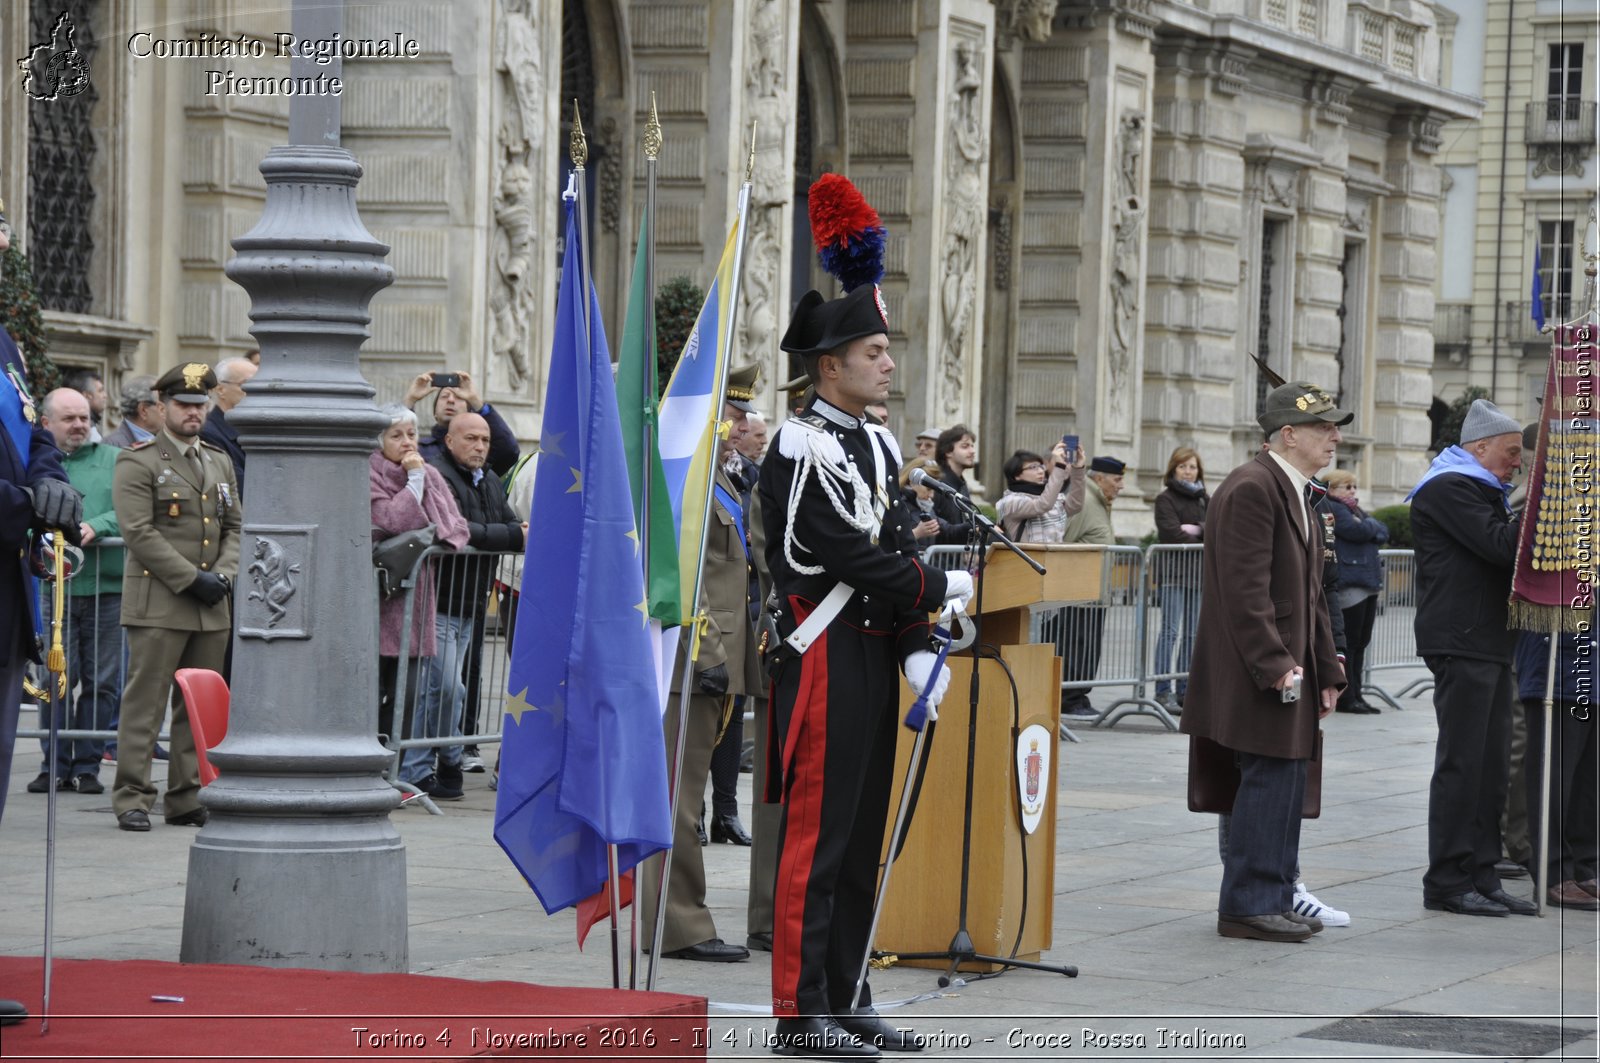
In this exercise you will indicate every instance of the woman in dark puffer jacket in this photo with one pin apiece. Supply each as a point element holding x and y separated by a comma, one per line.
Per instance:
<point>1357,538</point>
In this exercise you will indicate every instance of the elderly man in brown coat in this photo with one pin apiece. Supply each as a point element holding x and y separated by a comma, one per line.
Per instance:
<point>1265,668</point>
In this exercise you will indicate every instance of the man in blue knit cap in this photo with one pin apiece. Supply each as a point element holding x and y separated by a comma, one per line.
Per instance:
<point>1466,547</point>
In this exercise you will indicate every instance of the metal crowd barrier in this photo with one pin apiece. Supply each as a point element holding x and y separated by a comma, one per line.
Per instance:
<point>1104,644</point>
<point>1173,575</point>
<point>1394,638</point>
<point>480,625</point>
<point>1101,644</point>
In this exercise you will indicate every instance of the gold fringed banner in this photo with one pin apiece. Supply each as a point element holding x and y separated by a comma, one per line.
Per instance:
<point>1552,588</point>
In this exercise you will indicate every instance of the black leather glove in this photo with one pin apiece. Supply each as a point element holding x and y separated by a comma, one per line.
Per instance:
<point>57,504</point>
<point>208,587</point>
<point>713,680</point>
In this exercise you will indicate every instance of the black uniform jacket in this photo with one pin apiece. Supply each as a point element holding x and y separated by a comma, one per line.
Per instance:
<point>894,591</point>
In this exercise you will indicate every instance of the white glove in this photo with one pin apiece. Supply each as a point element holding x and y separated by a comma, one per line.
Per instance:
<point>958,588</point>
<point>919,666</point>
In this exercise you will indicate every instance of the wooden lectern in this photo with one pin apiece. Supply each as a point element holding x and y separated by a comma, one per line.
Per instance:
<point>922,911</point>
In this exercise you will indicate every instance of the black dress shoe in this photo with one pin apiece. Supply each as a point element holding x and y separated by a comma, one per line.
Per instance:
<point>1514,905</point>
<point>714,951</point>
<point>1359,707</point>
<point>760,941</point>
<point>133,819</point>
<point>729,829</point>
<point>1469,903</point>
<point>41,784</point>
<point>820,1037</point>
<point>1509,868</point>
<point>1261,928</point>
<point>197,818</point>
<point>871,1027</point>
<point>12,1012</point>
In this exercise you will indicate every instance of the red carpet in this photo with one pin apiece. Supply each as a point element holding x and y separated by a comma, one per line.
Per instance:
<point>102,1010</point>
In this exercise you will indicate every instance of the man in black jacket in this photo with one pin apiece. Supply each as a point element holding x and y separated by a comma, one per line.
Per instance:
<point>463,590</point>
<point>1466,547</point>
<point>956,452</point>
<point>232,375</point>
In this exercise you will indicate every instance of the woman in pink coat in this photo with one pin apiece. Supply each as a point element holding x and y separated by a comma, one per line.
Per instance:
<point>407,493</point>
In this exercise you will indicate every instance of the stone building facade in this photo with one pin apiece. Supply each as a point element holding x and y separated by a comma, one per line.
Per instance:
<point>1524,177</point>
<point>1099,209</point>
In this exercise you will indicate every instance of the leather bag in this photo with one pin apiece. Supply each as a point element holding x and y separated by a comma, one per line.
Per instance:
<point>396,558</point>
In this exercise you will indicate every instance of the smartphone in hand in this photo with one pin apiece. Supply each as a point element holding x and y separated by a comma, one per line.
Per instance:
<point>1071,443</point>
<point>446,380</point>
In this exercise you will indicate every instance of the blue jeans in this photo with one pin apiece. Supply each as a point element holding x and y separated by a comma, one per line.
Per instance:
<point>92,636</point>
<point>443,694</point>
<point>1178,605</point>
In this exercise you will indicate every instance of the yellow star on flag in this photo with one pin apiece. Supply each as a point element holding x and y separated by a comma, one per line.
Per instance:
<point>550,443</point>
<point>644,610</point>
<point>518,704</point>
<point>577,481</point>
<point>633,534</point>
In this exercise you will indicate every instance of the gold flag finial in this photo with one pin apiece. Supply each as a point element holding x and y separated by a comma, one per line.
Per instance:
<point>578,144</point>
<point>750,164</point>
<point>652,131</point>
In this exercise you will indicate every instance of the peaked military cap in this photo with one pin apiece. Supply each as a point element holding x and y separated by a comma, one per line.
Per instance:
<point>742,387</point>
<point>190,382</point>
<point>1298,402</point>
<point>822,325</point>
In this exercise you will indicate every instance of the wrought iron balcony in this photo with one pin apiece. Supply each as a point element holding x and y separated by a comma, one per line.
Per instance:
<point>1566,120</point>
<point>1517,326</point>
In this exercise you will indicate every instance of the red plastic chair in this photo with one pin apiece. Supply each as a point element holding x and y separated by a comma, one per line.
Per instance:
<point>206,694</point>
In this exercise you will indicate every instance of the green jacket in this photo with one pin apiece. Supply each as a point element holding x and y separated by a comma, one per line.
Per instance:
<point>89,469</point>
<point>1092,523</point>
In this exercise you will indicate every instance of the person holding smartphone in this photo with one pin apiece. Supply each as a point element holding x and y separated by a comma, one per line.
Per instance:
<point>1042,494</point>
<point>458,394</point>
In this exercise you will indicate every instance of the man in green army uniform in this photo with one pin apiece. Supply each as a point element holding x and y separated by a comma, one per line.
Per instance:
<point>726,667</point>
<point>178,506</point>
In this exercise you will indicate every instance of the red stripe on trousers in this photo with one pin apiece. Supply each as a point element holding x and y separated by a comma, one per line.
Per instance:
<point>802,798</point>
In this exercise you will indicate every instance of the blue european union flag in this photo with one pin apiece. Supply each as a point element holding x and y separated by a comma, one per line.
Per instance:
<point>583,763</point>
<point>1538,290</point>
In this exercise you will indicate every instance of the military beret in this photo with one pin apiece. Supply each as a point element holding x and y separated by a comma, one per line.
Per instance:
<point>1108,466</point>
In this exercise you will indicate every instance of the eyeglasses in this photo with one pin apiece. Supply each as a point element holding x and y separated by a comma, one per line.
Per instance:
<point>1033,466</point>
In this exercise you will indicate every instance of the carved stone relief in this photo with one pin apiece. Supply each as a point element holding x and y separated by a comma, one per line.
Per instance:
<point>1127,215</point>
<point>1561,158</point>
<point>519,64</point>
<point>964,220</point>
<point>768,106</point>
<point>1032,19</point>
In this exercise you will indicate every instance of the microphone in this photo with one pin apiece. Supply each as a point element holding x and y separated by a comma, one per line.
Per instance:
<point>921,478</point>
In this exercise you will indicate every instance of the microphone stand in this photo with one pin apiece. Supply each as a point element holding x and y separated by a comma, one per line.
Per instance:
<point>961,949</point>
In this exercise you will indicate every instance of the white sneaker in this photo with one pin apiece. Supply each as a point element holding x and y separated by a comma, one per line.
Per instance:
<point>1306,904</point>
<point>471,762</point>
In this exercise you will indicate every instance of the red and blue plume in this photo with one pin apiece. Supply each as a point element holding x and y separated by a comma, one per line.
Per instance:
<point>849,236</point>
